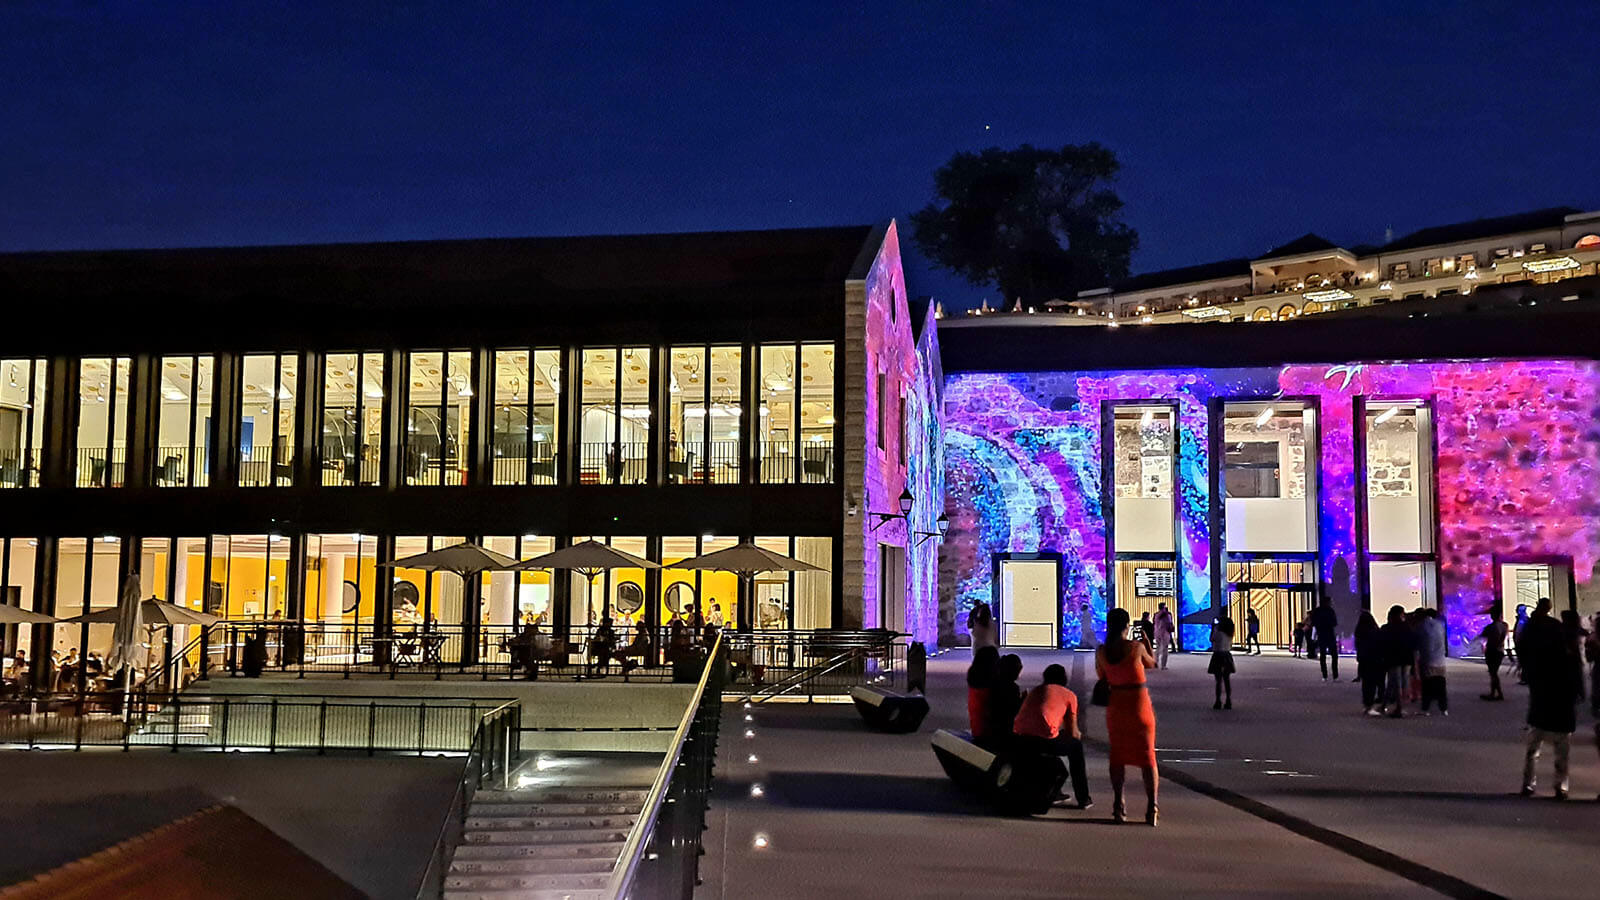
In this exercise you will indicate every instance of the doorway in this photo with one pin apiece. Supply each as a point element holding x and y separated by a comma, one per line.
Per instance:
<point>1028,611</point>
<point>891,587</point>
<point>1280,591</point>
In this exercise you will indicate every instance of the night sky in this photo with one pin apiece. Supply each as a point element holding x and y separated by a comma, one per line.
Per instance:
<point>1240,126</point>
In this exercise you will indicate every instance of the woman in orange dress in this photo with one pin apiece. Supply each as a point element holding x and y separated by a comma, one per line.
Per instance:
<point>1130,720</point>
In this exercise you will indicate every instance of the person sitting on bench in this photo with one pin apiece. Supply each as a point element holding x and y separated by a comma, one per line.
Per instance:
<point>1005,698</point>
<point>638,649</point>
<point>1048,723</point>
<point>985,662</point>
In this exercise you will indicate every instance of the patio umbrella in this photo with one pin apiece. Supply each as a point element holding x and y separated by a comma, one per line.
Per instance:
<point>745,560</point>
<point>464,559</point>
<point>588,559</point>
<point>16,615</point>
<point>151,613</point>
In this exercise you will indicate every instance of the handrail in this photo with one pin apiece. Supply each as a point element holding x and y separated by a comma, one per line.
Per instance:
<point>455,819</point>
<point>799,678</point>
<point>632,852</point>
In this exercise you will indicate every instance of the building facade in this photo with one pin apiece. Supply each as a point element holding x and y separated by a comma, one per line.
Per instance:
<point>1453,464</point>
<point>252,431</point>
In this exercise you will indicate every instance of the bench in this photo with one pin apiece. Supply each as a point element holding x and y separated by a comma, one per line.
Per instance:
<point>1025,784</point>
<point>891,711</point>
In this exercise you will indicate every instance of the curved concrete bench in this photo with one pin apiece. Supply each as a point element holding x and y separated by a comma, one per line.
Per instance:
<point>888,710</point>
<point>1017,783</point>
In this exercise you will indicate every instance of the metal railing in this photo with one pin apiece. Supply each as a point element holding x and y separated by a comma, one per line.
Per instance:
<point>661,858</point>
<point>778,460</point>
<point>272,724</point>
<point>495,751</point>
<point>101,466</point>
<point>823,662</point>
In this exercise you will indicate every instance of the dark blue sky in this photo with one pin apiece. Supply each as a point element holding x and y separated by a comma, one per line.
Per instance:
<point>1239,125</point>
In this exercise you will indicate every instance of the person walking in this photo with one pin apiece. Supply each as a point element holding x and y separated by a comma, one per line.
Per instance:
<point>1252,631</point>
<point>1163,635</point>
<point>1493,636</point>
<point>1398,650</point>
<point>1221,665</point>
<point>1325,631</point>
<point>1431,644</point>
<point>982,627</point>
<point>1047,722</point>
<point>1130,719</point>
<point>1555,682</point>
<point>1369,662</point>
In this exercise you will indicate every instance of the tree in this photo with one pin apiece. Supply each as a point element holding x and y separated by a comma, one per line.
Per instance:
<point>1038,224</point>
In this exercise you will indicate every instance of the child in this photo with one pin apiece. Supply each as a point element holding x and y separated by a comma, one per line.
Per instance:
<point>1221,666</point>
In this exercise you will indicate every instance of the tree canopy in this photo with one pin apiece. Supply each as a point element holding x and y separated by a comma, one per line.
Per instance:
<point>1038,224</point>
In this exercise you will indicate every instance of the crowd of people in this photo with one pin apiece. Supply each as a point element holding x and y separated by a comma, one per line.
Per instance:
<point>63,673</point>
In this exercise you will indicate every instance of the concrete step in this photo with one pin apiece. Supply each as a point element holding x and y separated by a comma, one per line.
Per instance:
<point>601,850</point>
<point>553,809</point>
<point>563,795</point>
<point>475,822</point>
<point>535,865</point>
<point>524,894</point>
<point>540,838</point>
<point>569,882</point>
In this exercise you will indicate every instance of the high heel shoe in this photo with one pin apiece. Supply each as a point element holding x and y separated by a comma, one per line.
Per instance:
<point>1118,813</point>
<point>1151,815</point>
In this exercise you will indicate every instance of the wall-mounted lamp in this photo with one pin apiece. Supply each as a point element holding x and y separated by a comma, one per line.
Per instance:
<point>943,526</point>
<point>906,501</point>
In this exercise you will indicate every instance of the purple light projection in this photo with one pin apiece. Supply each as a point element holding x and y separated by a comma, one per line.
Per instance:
<point>1518,470</point>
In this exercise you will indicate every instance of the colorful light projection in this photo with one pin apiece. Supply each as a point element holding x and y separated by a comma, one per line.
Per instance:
<point>1518,473</point>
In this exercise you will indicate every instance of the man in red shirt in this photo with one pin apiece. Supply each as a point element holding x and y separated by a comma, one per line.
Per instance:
<point>1048,723</point>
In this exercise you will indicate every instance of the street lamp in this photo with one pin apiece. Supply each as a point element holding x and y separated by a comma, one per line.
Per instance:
<point>943,526</point>
<point>906,500</point>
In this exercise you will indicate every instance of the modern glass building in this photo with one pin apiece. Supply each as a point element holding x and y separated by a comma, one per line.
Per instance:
<point>1432,462</point>
<point>251,431</point>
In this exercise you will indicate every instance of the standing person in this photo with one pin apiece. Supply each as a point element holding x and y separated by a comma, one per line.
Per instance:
<point>1493,636</point>
<point>1555,681</point>
<point>980,675</point>
<point>1130,719</point>
<point>1369,662</point>
<point>1431,642</point>
<point>1047,722</point>
<point>1145,630</point>
<point>1397,648</point>
<point>982,627</point>
<point>1163,632</point>
<point>1221,666</point>
<point>1252,630</point>
<point>1086,639</point>
<point>1325,627</point>
<point>1515,652</point>
<point>1298,639</point>
<point>1591,654</point>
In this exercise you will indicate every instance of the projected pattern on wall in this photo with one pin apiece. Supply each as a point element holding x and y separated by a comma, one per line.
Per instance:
<point>1519,467</point>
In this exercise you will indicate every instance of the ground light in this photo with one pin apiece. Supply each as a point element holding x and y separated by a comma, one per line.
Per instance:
<point>756,790</point>
<point>753,758</point>
<point>761,842</point>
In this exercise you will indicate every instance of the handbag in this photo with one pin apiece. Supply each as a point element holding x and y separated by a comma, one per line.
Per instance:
<point>1101,694</point>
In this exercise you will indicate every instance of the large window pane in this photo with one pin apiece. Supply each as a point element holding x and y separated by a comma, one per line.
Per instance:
<point>87,580</point>
<point>1400,483</point>
<point>813,607</point>
<point>774,591</point>
<point>634,440</point>
<point>18,557</point>
<point>524,409</point>
<point>779,427</point>
<point>1142,469</point>
<point>102,436</point>
<point>680,588</point>
<point>21,421</point>
<point>184,422</point>
<point>439,387</point>
<point>727,400</point>
<point>598,426</point>
<point>1269,476</point>
<point>816,413</point>
<point>352,418</point>
<point>687,385</point>
<point>267,419</point>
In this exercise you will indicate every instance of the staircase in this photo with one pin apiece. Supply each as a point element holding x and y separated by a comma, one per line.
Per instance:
<point>193,723</point>
<point>542,842</point>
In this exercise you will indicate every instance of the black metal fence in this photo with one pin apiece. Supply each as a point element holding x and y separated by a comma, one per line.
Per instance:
<point>661,859</point>
<point>365,725</point>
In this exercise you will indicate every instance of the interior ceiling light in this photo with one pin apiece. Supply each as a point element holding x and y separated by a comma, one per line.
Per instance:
<point>1265,415</point>
<point>1328,296</point>
<point>1205,312</point>
<point>1554,264</point>
<point>1388,414</point>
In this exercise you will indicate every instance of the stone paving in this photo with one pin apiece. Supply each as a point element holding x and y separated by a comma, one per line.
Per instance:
<point>1293,791</point>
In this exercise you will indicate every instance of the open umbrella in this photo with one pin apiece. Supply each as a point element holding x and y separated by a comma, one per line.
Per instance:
<point>588,559</point>
<point>16,615</point>
<point>465,560</point>
<point>747,561</point>
<point>151,612</point>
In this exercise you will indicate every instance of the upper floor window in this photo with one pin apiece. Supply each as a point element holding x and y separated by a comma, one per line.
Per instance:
<point>525,410</point>
<point>22,384</point>
<point>614,424</point>
<point>267,387</point>
<point>705,404</point>
<point>1400,270</point>
<point>102,437</point>
<point>438,409</point>
<point>351,441</point>
<point>184,425</point>
<point>795,440</point>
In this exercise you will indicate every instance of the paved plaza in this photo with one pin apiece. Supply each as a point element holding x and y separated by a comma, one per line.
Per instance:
<point>1293,791</point>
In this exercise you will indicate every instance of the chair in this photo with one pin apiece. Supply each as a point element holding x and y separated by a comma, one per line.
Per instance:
<point>170,471</point>
<point>97,472</point>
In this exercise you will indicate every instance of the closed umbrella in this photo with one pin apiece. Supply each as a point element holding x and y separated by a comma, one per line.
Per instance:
<point>746,560</point>
<point>589,559</point>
